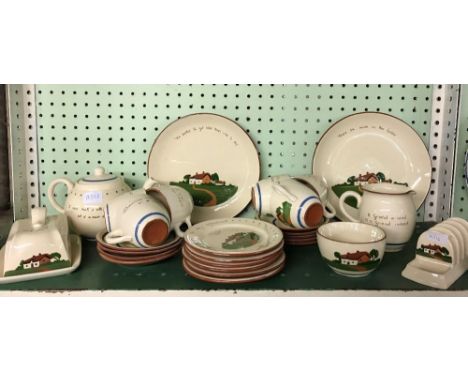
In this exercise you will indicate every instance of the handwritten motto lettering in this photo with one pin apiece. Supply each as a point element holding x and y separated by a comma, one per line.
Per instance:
<point>206,129</point>
<point>366,128</point>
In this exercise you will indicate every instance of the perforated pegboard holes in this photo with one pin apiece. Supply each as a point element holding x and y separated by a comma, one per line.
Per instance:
<point>82,126</point>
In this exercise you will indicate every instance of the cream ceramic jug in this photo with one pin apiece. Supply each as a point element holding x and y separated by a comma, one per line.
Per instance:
<point>388,206</point>
<point>87,199</point>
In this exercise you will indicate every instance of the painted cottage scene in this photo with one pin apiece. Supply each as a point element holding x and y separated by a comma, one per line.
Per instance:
<point>39,263</point>
<point>358,261</point>
<point>207,189</point>
<point>434,251</point>
<point>354,183</point>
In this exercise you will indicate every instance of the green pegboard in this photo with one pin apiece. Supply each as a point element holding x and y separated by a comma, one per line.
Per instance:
<point>83,126</point>
<point>460,191</point>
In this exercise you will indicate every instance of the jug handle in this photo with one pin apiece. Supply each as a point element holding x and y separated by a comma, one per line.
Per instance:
<point>343,198</point>
<point>51,190</point>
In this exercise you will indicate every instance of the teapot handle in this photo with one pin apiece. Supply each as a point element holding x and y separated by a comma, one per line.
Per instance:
<point>51,190</point>
<point>343,198</point>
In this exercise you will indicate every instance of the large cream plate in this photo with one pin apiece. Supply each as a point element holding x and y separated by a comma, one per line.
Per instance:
<point>234,236</point>
<point>372,143</point>
<point>211,157</point>
<point>75,254</point>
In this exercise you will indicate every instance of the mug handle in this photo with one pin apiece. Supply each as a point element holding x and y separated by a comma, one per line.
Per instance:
<point>51,190</point>
<point>328,210</point>
<point>177,229</point>
<point>116,237</point>
<point>343,198</point>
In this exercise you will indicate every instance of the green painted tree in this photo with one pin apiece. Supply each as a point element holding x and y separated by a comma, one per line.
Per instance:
<point>57,256</point>
<point>445,251</point>
<point>374,254</point>
<point>187,178</point>
<point>380,176</point>
<point>337,256</point>
<point>351,180</point>
<point>215,177</point>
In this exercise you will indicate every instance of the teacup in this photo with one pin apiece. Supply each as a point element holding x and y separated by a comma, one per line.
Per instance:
<point>178,202</point>
<point>351,249</point>
<point>293,203</point>
<point>320,187</point>
<point>137,218</point>
<point>386,205</point>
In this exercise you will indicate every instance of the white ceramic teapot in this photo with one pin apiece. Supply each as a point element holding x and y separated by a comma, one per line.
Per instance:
<point>87,199</point>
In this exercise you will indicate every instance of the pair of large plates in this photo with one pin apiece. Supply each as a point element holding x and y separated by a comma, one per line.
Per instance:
<point>367,148</point>
<point>212,158</point>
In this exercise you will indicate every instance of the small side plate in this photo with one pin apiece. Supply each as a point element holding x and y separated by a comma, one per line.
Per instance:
<point>75,243</point>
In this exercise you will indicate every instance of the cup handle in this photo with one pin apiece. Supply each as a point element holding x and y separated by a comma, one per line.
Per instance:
<point>116,237</point>
<point>149,184</point>
<point>281,190</point>
<point>343,198</point>
<point>329,211</point>
<point>177,229</point>
<point>50,192</point>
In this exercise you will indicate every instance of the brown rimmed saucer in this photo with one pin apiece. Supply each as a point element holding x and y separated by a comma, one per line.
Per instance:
<point>234,280</point>
<point>238,273</point>
<point>135,262</point>
<point>230,267</point>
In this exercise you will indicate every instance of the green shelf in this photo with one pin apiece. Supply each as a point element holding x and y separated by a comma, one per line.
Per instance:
<point>304,271</point>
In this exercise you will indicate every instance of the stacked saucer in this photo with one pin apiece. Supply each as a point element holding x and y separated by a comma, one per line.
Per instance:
<point>232,251</point>
<point>294,236</point>
<point>130,255</point>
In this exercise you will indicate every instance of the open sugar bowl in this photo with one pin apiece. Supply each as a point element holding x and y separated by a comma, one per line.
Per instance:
<point>351,249</point>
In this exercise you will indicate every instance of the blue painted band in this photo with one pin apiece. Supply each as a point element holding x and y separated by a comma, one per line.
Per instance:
<point>299,211</point>
<point>259,200</point>
<point>143,219</point>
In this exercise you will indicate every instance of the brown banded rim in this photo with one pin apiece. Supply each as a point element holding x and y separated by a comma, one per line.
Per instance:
<point>132,257</point>
<point>227,255</point>
<point>172,240</point>
<point>148,261</point>
<point>241,273</point>
<point>240,280</point>
<point>133,254</point>
<point>228,263</point>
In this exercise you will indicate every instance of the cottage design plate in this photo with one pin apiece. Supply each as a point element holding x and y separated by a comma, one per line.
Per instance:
<point>369,148</point>
<point>234,236</point>
<point>212,158</point>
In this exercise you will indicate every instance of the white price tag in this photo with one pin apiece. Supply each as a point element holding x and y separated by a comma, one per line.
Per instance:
<point>93,197</point>
<point>437,237</point>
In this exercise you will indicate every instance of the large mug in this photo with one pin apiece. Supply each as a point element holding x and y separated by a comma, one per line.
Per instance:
<point>178,202</point>
<point>137,218</point>
<point>293,203</point>
<point>388,206</point>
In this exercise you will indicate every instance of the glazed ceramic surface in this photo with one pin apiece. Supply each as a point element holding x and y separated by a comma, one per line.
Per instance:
<point>137,218</point>
<point>388,206</point>
<point>75,258</point>
<point>446,237</point>
<point>37,244</point>
<point>212,158</point>
<point>371,147</point>
<point>351,249</point>
<point>236,235</point>
<point>178,202</point>
<point>459,231</point>
<point>86,200</point>
<point>291,202</point>
<point>319,185</point>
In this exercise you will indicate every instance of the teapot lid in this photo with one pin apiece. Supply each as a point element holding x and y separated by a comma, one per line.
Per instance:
<point>387,188</point>
<point>98,176</point>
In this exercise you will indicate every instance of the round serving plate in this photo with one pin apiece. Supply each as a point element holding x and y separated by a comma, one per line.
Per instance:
<point>367,148</point>
<point>238,280</point>
<point>239,273</point>
<point>235,236</point>
<point>212,158</point>
<point>262,261</point>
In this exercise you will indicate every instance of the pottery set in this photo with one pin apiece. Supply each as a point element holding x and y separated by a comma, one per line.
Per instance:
<point>388,206</point>
<point>38,247</point>
<point>441,255</point>
<point>295,206</point>
<point>233,251</point>
<point>86,200</point>
<point>351,249</point>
